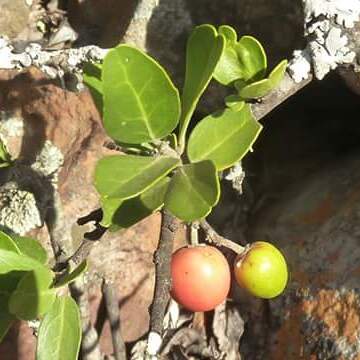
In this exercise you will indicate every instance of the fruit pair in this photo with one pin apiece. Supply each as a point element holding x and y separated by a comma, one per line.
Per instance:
<point>201,275</point>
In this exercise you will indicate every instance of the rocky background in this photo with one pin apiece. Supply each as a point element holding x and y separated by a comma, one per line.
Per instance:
<point>302,188</point>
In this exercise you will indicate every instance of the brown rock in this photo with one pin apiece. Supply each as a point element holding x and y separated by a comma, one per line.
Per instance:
<point>316,225</point>
<point>14,17</point>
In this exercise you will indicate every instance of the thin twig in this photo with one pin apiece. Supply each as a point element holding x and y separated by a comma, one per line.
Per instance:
<point>161,297</point>
<point>194,234</point>
<point>213,237</point>
<point>112,309</point>
<point>286,89</point>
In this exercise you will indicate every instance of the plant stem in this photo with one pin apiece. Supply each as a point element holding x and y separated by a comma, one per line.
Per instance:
<point>194,234</point>
<point>214,237</point>
<point>161,297</point>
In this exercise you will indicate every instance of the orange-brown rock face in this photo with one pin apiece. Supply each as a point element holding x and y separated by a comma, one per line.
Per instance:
<point>316,225</point>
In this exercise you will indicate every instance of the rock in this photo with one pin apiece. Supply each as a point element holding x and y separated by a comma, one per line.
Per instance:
<point>14,17</point>
<point>316,225</point>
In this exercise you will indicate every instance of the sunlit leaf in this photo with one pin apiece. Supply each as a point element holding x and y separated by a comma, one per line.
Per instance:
<point>203,51</point>
<point>133,210</point>
<point>31,248</point>
<point>126,176</point>
<point>193,191</point>
<point>223,137</point>
<point>140,101</point>
<point>252,58</point>
<point>7,243</point>
<point>60,332</point>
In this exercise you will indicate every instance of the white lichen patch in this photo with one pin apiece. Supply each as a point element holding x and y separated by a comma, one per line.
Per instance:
<point>236,175</point>
<point>325,22</point>
<point>328,51</point>
<point>300,65</point>
<point>53,63</point>
<point>18,209</point>
<point>10,60</point>
<point>344,12</point>
<point>49,160</point>
<point>10,125</point>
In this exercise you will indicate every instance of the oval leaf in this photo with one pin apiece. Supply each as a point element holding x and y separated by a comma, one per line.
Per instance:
<point>140,101</point>
<point>252,58</point>
<point>126,176</point>
<point>256,89</point>
<point>224,137</point>
<point>133,210</point>
<point>203,52</point>
<point>228,69</point>
<point>33,296</point>
<point>31,248</point>
<point>7,243</point>
<point>60,332</point>
<point>193,191</point>
<point>229,33</point>
<point>278,73</point>
<point>11,261</point>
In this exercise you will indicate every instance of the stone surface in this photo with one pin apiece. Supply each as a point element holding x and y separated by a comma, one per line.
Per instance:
<point>14,17</point>
<point>316,225</point>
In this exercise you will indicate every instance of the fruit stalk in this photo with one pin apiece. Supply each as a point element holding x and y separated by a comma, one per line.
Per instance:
<point>218,240</point>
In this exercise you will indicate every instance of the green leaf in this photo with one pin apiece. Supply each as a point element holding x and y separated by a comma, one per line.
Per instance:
<point>203,52</point>
<point>278,73</point>
<point>7,243</point>
<point>109,207</point>
<point>133,210</point>
<point>126,176</point>
<point>5,158</point>
<point>6,319</point>
<point>140,101</point>
<point>9,282</point>
<point>60,332</point>
<point>229,33</point>
<point>252,58</point>
<point>223,137</point>
<point>263,87</point>
<point>92,78</point>
<point>193,191</point>
<point>33,296</point>
<point>31,248</point>
<point>256,89</point>
<point>228,68</point>
<point>70,277</point>
<point>11,261</point>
